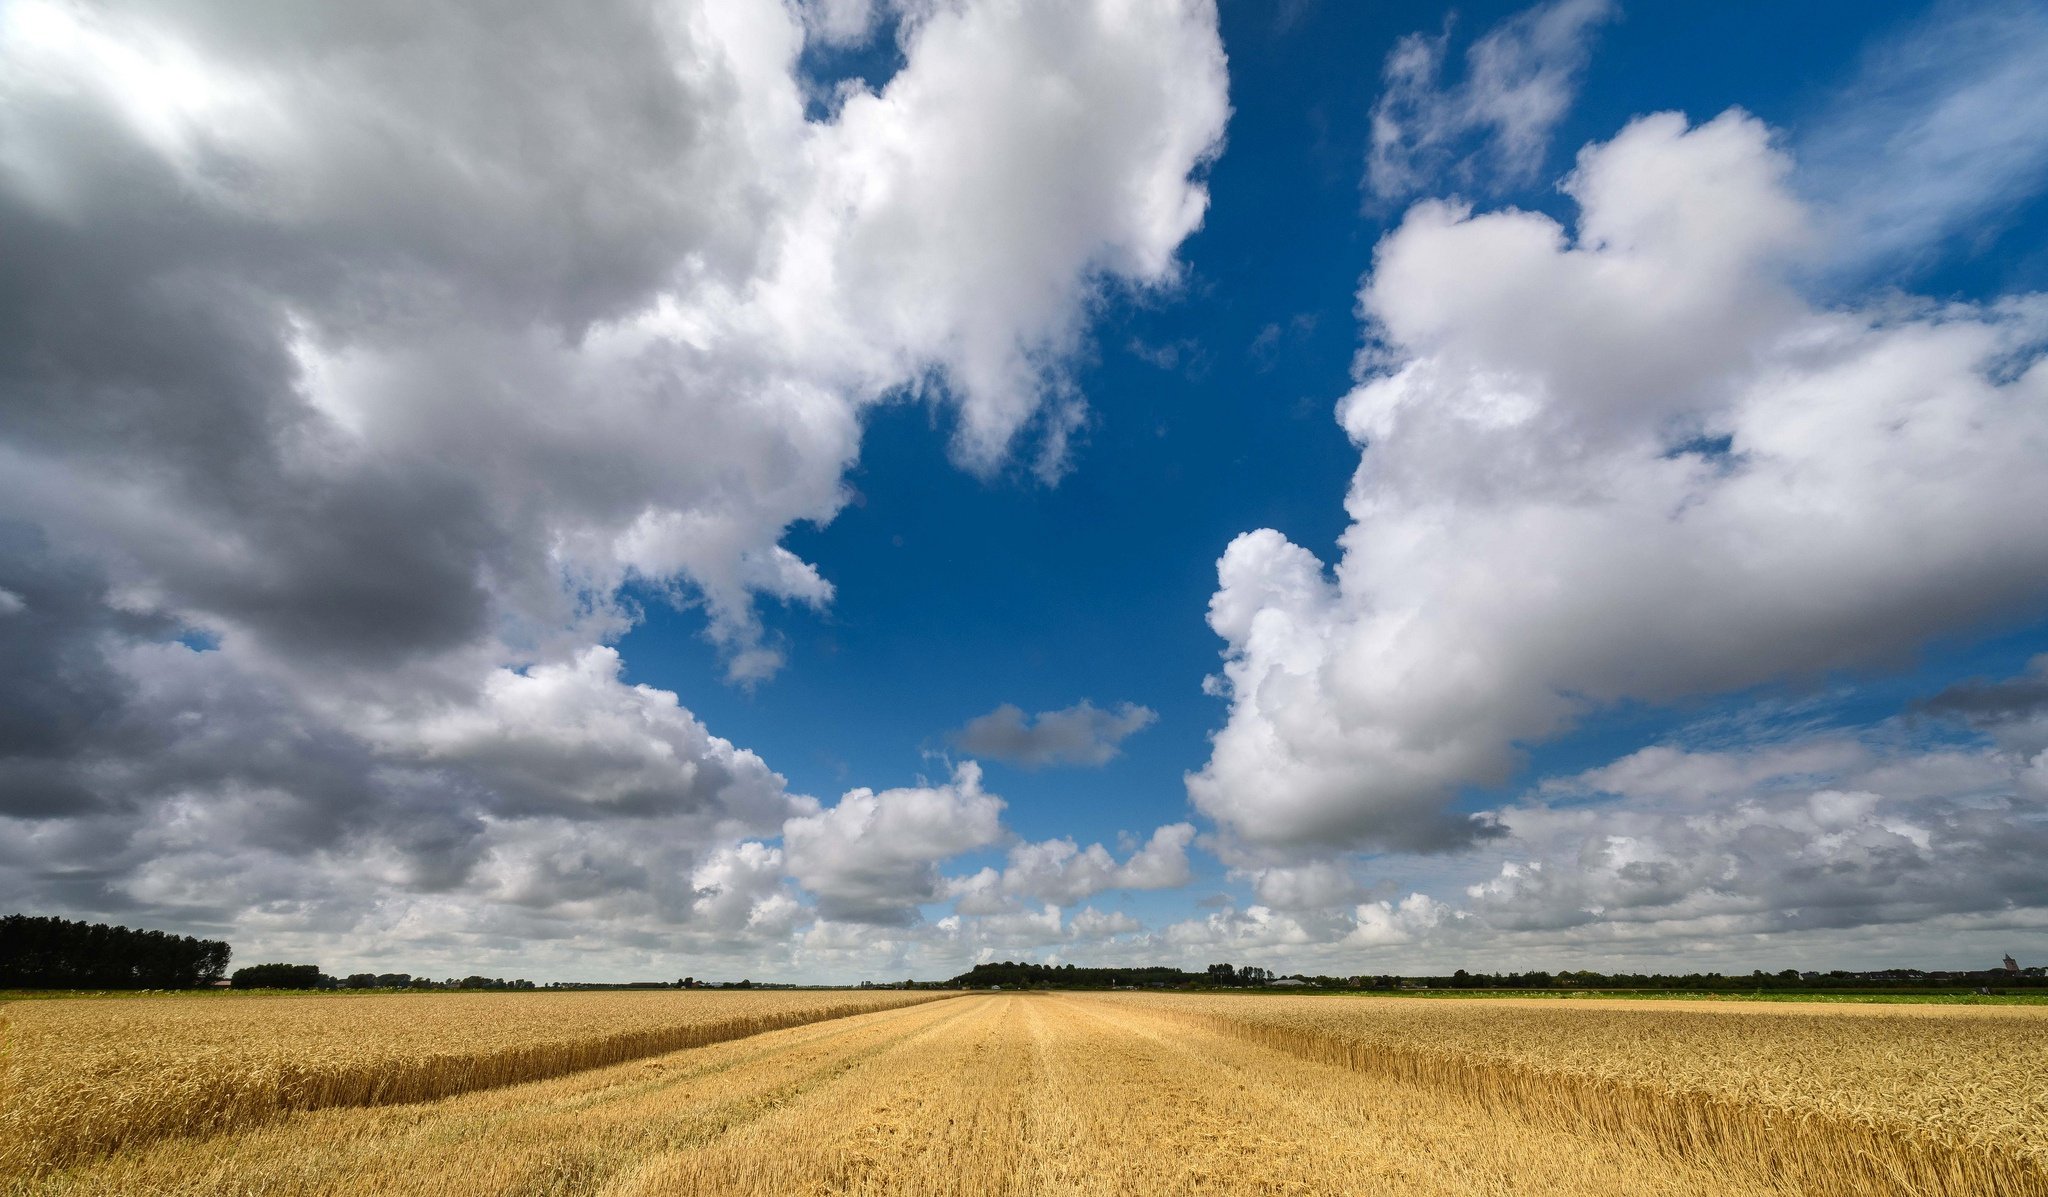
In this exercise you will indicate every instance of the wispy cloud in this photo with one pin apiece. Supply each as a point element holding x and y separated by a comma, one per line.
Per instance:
<point>1494,126</point>
<point>1942,133</point>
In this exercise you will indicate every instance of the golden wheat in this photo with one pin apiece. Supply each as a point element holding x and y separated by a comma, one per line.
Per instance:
<point>88,1075</point>
<point>1877,1100</point>
<point>1094,1095</point>
<point>991,1095</point>
<point>1039,1095</point>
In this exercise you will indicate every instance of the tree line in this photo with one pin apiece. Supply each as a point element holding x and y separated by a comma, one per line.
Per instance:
<point>41,952</point>
<point>1013,975</point>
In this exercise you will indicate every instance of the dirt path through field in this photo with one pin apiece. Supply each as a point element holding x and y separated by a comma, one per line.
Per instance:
<point>987,1094</point>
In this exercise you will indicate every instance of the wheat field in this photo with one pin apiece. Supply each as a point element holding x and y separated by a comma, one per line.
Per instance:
<point>88,1076</point>
<point>1098,1094</point>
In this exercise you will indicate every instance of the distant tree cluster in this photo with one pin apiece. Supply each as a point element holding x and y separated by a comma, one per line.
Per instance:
<point>1228,976</point>
<point>382,981</point>
<point>1065,976</point>
<point>309,976</point>
<point>280,976</point>
<point>1009,975</point>
<point>1782,981</point>
<point>40,952</point>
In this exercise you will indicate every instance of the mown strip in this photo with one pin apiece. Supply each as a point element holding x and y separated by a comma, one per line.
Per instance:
<point>1808,1151</point>
<point>98,1109</point>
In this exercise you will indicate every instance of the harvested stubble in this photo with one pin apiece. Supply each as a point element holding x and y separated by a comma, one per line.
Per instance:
<point>987,1096</point>
<point>1869,1100</point>
<point>86,1076</point>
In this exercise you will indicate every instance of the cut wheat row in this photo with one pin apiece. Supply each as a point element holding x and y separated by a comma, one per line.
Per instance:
<point>83,1077</point>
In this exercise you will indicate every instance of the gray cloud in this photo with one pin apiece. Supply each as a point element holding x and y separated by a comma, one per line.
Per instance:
<point>354,359</point>
<point>1848,847</point>
<point>1829,832</point>
<point>1082,734</point>
<point>1994,704</point>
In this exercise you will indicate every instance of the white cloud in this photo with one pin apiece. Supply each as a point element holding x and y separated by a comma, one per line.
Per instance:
<point>1253,929</point>
<point>1082,734</point>
<point>1062,872</point>
<point>874,857</point>
<point>741,891</point>
<point>1310,885</point>
<point>1631,463</point>
<point>1092,925</point>
<point>1944,131</point>
<point>379,350</point>
<point>1384,924</point>
<point>543,339</point>
<point>839,22</point>
<point>1520,78</point>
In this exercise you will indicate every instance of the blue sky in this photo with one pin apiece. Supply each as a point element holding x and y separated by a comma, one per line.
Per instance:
<point>957,593</point>
<point>568,546</point>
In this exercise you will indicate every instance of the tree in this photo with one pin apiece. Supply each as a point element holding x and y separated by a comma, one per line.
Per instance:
<point>54,953</point>
<point>278,976</point>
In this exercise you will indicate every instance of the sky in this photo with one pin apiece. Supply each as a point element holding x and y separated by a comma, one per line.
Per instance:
<point>850,489</point>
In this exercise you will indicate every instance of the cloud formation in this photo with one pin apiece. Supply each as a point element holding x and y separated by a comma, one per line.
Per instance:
<point>1061,872</point>
<point>356,362</point>
<point>1830,831</point>
<point>875,857</point>
<point>1082,734</point>
<point>1942,134</point>
<point>1492,128</point>
<point>1623,462</point>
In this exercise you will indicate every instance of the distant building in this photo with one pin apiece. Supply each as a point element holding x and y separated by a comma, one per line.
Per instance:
<point>2011,965</point>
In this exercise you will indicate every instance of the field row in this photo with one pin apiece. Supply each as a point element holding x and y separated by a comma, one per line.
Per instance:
<point>1089,1095</point>
<point>83,1077</point>
<point>1853,1100</point>
<point>990,1094</point>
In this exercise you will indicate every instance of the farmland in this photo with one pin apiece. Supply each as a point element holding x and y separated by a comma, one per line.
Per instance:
<point>86,1076</point>
<point>1039,1093</point>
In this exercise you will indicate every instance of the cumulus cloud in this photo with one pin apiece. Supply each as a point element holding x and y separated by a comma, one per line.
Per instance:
<point>355,362</point>
<point>1881,845</point>
<point>1082,734</point>
<point>571,739</point>
<point>1494,126</point>
<point>874,858</point>
<point>1383,924</point>
<point>1061,872</point>
<point>1622,462</point>
<point>1834,831</point>
<point>1308,885</point>
<point>741,890</point>
<point>533,366</point>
